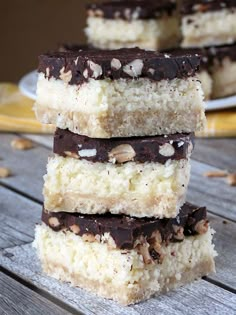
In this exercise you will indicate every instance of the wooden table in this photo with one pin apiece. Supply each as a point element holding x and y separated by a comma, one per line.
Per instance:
<point>25,290</point>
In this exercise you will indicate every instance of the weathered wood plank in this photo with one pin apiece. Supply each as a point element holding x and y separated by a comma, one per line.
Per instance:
<point>27,167</point>
<point>200,297</point>
<point>30,166</point>
<point>215,193</point>
<point>225,244</point>
<point>45,140</point>
<point>18,216</point>
<point>16,299</point>
<point>220,153</point>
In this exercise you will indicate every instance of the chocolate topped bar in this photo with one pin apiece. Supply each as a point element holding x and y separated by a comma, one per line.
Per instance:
<point>131,10</point>
<point>221,52</point>
<point>78,67</point>
<point>193,6</point>
<point>65,47</point>
<point>127,231</point>
<point>208,55</point>
<point>120,150</point>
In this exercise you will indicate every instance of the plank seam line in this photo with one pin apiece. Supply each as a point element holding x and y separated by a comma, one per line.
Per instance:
<point>40,291</point>
<point>220,216</point>
<point>21,193</point>
<point>220,284</point>
<point>27,136</point>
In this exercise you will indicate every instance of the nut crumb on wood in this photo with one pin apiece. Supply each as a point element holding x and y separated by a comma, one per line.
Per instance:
<point>231,179</point>
<point>4,172</point>
<point>216,174</point>
<point>21,144</point>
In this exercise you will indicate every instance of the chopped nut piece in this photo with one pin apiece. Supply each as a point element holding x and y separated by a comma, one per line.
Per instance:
<point>201,227</point>
<point>4,172</point>
<point>116,64</point>
<point>231,179</point>
<point>143,250</point>
<point>87,237</point>
<point>167,150</point>
<point>54,222</point>
<point>75,228</point>
<point>134,68</point>
<point>156,237</point>
<point>71,154</point>
<point>22,144</point>
<point>178,233</point>
<point>122,153</point>
<point>215,174</point>
<point>95,68</point>
<point>65,76</point>
<point>111,243</point>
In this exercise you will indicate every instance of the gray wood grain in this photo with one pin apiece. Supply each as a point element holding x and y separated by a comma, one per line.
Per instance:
<point>214,193</point>
<point>27,167</point>
<point>45,140</point>
<point>220,153</point>
<point>199,298</point>
<point>18,216</point>
<point>16,299</point>
<point>225,244</point>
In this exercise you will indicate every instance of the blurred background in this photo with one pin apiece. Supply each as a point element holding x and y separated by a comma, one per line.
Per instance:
<point>29,27</point>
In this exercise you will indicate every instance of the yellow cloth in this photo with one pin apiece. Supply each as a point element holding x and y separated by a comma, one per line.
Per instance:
<point>16,112</point>
<point>16,115</point>
<point>220,124</point>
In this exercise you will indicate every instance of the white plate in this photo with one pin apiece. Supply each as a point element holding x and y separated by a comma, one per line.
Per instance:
<point>221,103</point>
<point>28,84</point>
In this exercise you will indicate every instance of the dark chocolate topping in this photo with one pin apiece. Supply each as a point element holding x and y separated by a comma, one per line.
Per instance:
<point>193,6</point>
<point>65,47</point>
<point>126,231</point>
<point>209,56</point>
<point>218,53</point>
<point>128,63</point>
<point>129,10</point>
<point>138,149</point>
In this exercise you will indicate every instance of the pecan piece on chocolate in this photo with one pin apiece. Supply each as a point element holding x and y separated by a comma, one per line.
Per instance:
<point>54,222</point>
<point>122,153</point>
<point>201,227</point>
<point>143,249</point>
<point>178,233</point>
<point>75,228</point>
<point>71,154</point>
<point>88,237</point>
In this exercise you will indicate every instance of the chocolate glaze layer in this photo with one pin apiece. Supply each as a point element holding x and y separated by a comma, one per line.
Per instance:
<point>130,10</point>
<point>209,56</point>
<point>127,63</point>
<point>71,47</point>
<point>144,149</point>
<point>193,6</point>
<point>126,231</point>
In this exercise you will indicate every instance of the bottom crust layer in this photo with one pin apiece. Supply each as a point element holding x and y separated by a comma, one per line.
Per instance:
<point>122,275</point>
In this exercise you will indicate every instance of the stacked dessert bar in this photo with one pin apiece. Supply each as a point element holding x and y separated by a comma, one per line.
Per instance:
<point>202,26</point>
<point>209,28</point>
<point>115,221</point>
<point>146,24</point>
